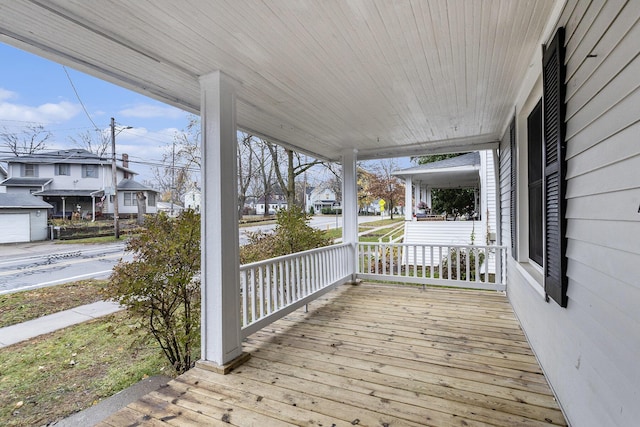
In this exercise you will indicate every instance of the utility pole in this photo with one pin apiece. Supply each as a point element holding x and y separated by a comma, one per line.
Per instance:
<point>114,177</point>
<point>173,172</point>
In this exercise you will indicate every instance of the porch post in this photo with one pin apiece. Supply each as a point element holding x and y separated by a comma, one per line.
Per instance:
<point>221,342</point>
<point>350,204</point>
<point>408,211</point>
<point>428,198</point>
<point>416,195</point>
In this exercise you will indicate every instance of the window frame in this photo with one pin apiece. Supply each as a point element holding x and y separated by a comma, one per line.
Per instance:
<point>31,166</point>
<point>129,198</point>
<point>87,168</point>
<point>57,169</point>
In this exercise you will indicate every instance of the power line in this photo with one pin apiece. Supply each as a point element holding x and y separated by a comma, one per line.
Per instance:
<point>80,100</point>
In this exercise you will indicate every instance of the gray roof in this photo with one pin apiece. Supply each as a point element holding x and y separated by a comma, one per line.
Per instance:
<point>131,185</point>
<point>70,156</point>
<point>12,200</point>
<point>67,193</point>
<point>25,182</point>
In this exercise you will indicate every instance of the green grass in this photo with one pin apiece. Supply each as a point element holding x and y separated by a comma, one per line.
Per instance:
<point>52,376</point>
<point>19,307</point>
<point>103,239</point>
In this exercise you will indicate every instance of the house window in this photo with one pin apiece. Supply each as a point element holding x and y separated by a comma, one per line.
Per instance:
<point>130,198</point>
<point>151,199</point>
<point>534,151</point>
<point>29,170</point>
<point>89,171</point>
<point>62,169</point>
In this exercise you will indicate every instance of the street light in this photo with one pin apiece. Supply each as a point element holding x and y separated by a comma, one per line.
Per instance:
<point>114,176</point>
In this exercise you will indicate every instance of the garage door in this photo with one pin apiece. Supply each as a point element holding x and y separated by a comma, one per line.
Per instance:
<point>14,228</point>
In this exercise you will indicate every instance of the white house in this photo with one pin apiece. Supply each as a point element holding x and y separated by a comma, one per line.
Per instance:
<point>366,80</point>
<point>193,198</point>
<point>321,197</point>
<point>76,180</point>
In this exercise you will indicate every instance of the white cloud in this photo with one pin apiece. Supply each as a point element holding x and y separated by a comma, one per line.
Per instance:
<point>45,113</point>
<point>7,94</point>
<point>149,111</point>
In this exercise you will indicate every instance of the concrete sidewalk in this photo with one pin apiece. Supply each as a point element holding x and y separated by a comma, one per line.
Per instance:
<point>46,324</point>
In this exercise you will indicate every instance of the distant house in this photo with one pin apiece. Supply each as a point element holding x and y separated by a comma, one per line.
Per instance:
<point>23,218</point>
<point>321,197</point>
<point>3,176</point>
<point>171,209</point>
<point>76,180</point>
<point>192,198</point>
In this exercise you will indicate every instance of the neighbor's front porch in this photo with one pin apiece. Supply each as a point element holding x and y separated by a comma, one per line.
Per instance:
<point>372,354</point>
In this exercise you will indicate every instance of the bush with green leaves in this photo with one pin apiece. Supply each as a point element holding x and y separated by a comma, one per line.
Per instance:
<point>292,234</point>
<point>161,286</point>
<point>462,275</point>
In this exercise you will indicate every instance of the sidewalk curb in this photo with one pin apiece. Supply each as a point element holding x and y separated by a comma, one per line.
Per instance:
<point>46,324</point>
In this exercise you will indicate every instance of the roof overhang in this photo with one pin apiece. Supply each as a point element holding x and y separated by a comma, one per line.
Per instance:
<point>387,78</point>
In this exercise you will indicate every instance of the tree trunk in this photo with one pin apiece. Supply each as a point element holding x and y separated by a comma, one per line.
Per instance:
<point>142,207</point>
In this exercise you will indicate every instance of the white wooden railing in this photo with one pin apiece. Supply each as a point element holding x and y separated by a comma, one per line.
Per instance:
<point>273,288</point>
<point>469,266</point>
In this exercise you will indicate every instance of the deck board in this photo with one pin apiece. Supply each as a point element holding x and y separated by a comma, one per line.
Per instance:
<point>373,354</point>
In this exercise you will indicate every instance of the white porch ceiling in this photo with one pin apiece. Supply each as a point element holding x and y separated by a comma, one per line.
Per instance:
<point>388,78</point>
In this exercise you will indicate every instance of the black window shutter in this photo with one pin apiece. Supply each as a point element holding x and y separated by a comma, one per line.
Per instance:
<point>512,193</point>
<point>553,77</point>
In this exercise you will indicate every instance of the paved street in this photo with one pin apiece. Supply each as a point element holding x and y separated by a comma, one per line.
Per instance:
<point>39,264</point>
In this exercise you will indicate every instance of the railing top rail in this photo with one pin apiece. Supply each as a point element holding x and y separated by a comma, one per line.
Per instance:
<point>292,256</point>
<point>432,244</point>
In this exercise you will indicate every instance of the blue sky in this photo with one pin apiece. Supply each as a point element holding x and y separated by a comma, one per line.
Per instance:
<point>34,90</point>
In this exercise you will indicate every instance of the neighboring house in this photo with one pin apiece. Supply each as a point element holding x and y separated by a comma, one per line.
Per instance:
<point>23,218</point>
<point>75,180</point>
<point>171,209</point>
<point>436,77</point>
<point>192,198</point>
<point>3,176</point>
<point>275,204</point>
<point>320,198</point>
<point>472,170</point>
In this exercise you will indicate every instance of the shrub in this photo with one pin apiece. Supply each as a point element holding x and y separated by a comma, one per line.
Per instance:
<point>162,286</point>
<point>463,264</point>
<point>292,234</point>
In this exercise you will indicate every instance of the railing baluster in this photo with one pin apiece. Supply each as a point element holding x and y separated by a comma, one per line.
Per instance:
<point>245,298</point>
<point>477,266</point>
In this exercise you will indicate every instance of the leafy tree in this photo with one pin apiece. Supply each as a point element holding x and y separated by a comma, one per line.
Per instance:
<point>161,285</point>
<point>30,141</point>
<point>384,185</point>
<point>292,234</point>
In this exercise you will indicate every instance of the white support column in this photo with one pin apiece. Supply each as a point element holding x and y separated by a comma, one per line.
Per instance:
<point>350,203</point>
<point>427,198</point>
<point>221,342</point>
<point>408,211</point>
<point>416,195</point>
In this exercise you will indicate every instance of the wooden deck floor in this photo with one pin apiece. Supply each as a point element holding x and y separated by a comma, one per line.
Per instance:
<point>374,355</point>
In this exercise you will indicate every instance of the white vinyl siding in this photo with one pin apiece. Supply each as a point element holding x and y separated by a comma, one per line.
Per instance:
<point>589,350</point>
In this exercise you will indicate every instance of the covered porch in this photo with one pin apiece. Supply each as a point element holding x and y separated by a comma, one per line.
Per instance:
<point>371,354</point>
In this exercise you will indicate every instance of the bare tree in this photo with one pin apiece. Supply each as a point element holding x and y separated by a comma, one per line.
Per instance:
<point>28,142</point>
<point>141,200</point>
<point>180,162</point>
<point>96,142</point>
<point>246,171</point>
<point>295,164</point>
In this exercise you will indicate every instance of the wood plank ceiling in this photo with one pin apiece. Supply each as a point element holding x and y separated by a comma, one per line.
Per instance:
<point>389,78</point>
